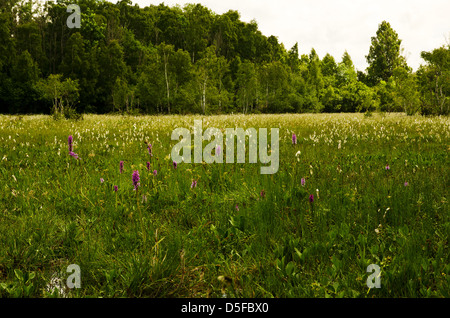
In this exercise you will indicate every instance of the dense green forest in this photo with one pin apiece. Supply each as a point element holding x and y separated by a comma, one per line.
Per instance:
<point>161,60</point>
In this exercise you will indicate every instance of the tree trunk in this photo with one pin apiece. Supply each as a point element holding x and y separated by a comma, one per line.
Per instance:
<point>220,95</point>
<point>167,81</point>
<point>204,96</point>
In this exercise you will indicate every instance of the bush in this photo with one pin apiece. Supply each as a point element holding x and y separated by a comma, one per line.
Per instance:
<point>67,113</point>
<point>71,113</point>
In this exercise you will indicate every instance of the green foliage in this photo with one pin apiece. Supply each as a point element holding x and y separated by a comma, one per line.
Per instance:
<point>62,94</point>
<point>159,59</point>
<point>21,287</point>
<point>384,54</point>
<point>112,64</point>
<point>209,76</point>
<point>122,95</point>
<point>406,93</point>
<point>71,113</point>
<point>247,86</point>
<point>434,79</point>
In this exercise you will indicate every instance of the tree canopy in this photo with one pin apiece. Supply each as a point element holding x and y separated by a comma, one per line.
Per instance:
<point>161,59</point>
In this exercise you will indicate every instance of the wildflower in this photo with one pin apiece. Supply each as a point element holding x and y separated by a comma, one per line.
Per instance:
<point>149,148</point>
<point>378,229</point>
<point>387,167</point>
<point>384,215</point>
<point>102,180</point>
<point>155,172</point>
<point>406,184</point>
<point>263,193</point>
<point>136,179</point>
<point>148,166</point>
<point>121,166</point>
<point>311,198</point>
<point>70,141</point>
<point>294,139</point>
<point>174,164</point>
<point>303,181</point>
<point>73,154</point>
<point>218,150</point>
<point>116,188</point>
<point>193,184</point>
<point>237,207</point>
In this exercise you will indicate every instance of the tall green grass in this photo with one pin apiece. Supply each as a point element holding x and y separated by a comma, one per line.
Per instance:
<point>223,238</point>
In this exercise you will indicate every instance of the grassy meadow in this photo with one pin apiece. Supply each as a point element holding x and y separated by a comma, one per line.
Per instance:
<point>380,196</point>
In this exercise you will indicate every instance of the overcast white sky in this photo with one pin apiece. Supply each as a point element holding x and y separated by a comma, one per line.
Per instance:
<point>333,26</point>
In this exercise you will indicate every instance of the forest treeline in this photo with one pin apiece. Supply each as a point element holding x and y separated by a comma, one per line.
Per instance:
<point>161,59</point>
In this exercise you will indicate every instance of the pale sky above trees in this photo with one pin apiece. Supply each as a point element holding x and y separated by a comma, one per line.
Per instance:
<point>333,26</point>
